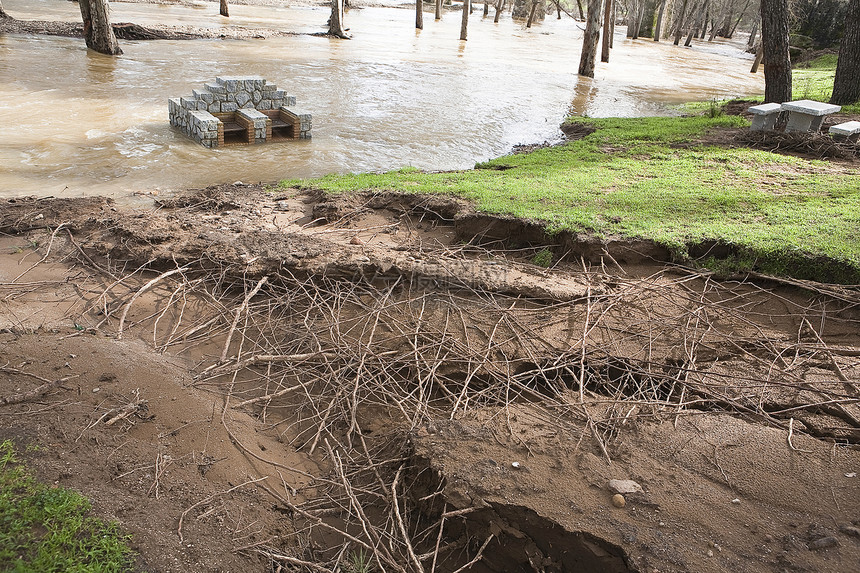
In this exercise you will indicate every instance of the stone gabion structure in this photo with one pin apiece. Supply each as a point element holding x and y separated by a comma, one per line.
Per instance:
<point>247,104</point>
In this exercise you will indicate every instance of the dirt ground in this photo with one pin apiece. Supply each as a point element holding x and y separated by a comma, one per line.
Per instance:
<point>274,381</point>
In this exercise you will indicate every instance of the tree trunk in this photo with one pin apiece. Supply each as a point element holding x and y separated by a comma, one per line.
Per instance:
<point>500,5</point>
<point>695,24</point>
<point>438,9</point>
<point>607,33</point>
<point>753,34</point>
<point>335,25</point>
<point>465,22</point>
<point>532,13</point>
<point>679,26</point>
<point>486,8</point>
<point>658,27</point>
<point>98,33</point>
<point>632,12</point>
<point>224,10</point>
<point>581,11</point>
<point>757,62</point>
<point>589,39</point>
<point>612,25</point>
<point>738,21</point>
<point>3,14</point>
<point>419,14</point>
<point>777,61</point>
<point>846,84</point>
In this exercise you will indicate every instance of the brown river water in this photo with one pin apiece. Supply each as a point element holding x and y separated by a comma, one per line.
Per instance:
<point>73,122</point>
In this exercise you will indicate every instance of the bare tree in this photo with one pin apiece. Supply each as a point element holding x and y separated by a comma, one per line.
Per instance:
<point>679,25</point>
<point>777,61</point>
<point>419,14</point>
<point>607,31</point>
<point>335,23</point>
<point>224,9</point>
<point>589,39</point>
<point>500,5</point>
<point>846,84</point>
<point>696,25</point>
<point>467,5</point>
<point>98,32</point>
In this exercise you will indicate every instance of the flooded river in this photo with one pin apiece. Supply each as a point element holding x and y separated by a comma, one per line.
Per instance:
<point>73,122</point>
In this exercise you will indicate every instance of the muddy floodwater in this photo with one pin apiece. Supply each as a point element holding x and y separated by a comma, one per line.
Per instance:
<point>73,122</point>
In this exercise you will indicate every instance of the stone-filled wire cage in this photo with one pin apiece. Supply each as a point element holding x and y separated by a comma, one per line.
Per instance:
<point>239,110</point>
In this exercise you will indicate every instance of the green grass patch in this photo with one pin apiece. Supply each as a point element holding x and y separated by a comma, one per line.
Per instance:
<point>646,178</point>
<point>814,80</point>
<point>45,529</point>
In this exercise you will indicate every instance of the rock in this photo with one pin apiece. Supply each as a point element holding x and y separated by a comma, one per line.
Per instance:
<point>850,530</point>
<point>618,500</point>
<point>823,543</point>
<point>623,486</point>
<point>356,240</point>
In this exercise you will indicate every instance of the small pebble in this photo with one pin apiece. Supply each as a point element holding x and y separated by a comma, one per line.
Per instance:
<point>736,501</point>
<point>618,500</point>
<point>515,465</point>
<point>710,553</point>
<point>96,389</point>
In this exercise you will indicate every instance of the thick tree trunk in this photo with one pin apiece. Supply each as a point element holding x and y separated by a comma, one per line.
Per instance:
<point>590,39</point>
<point>500,5</point>
<point>419,14</point>
<point>335,24</point>
<point>607,33</point>
<point>438,9</point>
<point>98,33</point>
<point>846,84</point>
<point>658,27</point>
<point>224,10</point>
<point>777,61</point>
<point>464,24</point>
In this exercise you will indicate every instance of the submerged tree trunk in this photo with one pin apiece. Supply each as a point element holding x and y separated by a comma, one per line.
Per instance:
<point>335,25</point>
<point>98,32</point>
<point>438,9</point>
<point>658,27</point>
<point>3,14</point>
<point>486,7</point>
<point>532,13</point>
<point>419,14</point>
<point>464,25</point>
<point>753,34</point>
<point>846,84</point>
<point>757,61</point>
<point>679,25</point>
<point>589,39</point>
<point>697,24</point>
<point>607,33</point>
<point>224,10</point>
<point>777,61</point>
<point>500,5</point>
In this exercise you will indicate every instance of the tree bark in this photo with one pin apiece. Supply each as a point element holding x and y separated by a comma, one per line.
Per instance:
<point>607,33</point>
<point>419,14</point>
<point>438,9</point>
<point>590,39</point>
<point>464,24</point>
<point>335,25</point>
<point>98,32</point>
<point>846,84</point>
<point>581,11</point>
<point>224,10</point>
<point>777,61</point>
<point>658,27</point>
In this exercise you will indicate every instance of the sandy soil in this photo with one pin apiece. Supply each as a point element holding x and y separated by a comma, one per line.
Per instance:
<point>253,381</point>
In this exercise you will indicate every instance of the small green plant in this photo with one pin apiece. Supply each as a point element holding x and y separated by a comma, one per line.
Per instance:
<point>359,562</point>
<point>543,258</point>
<point>715,109</point>
<point>45,529</point>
